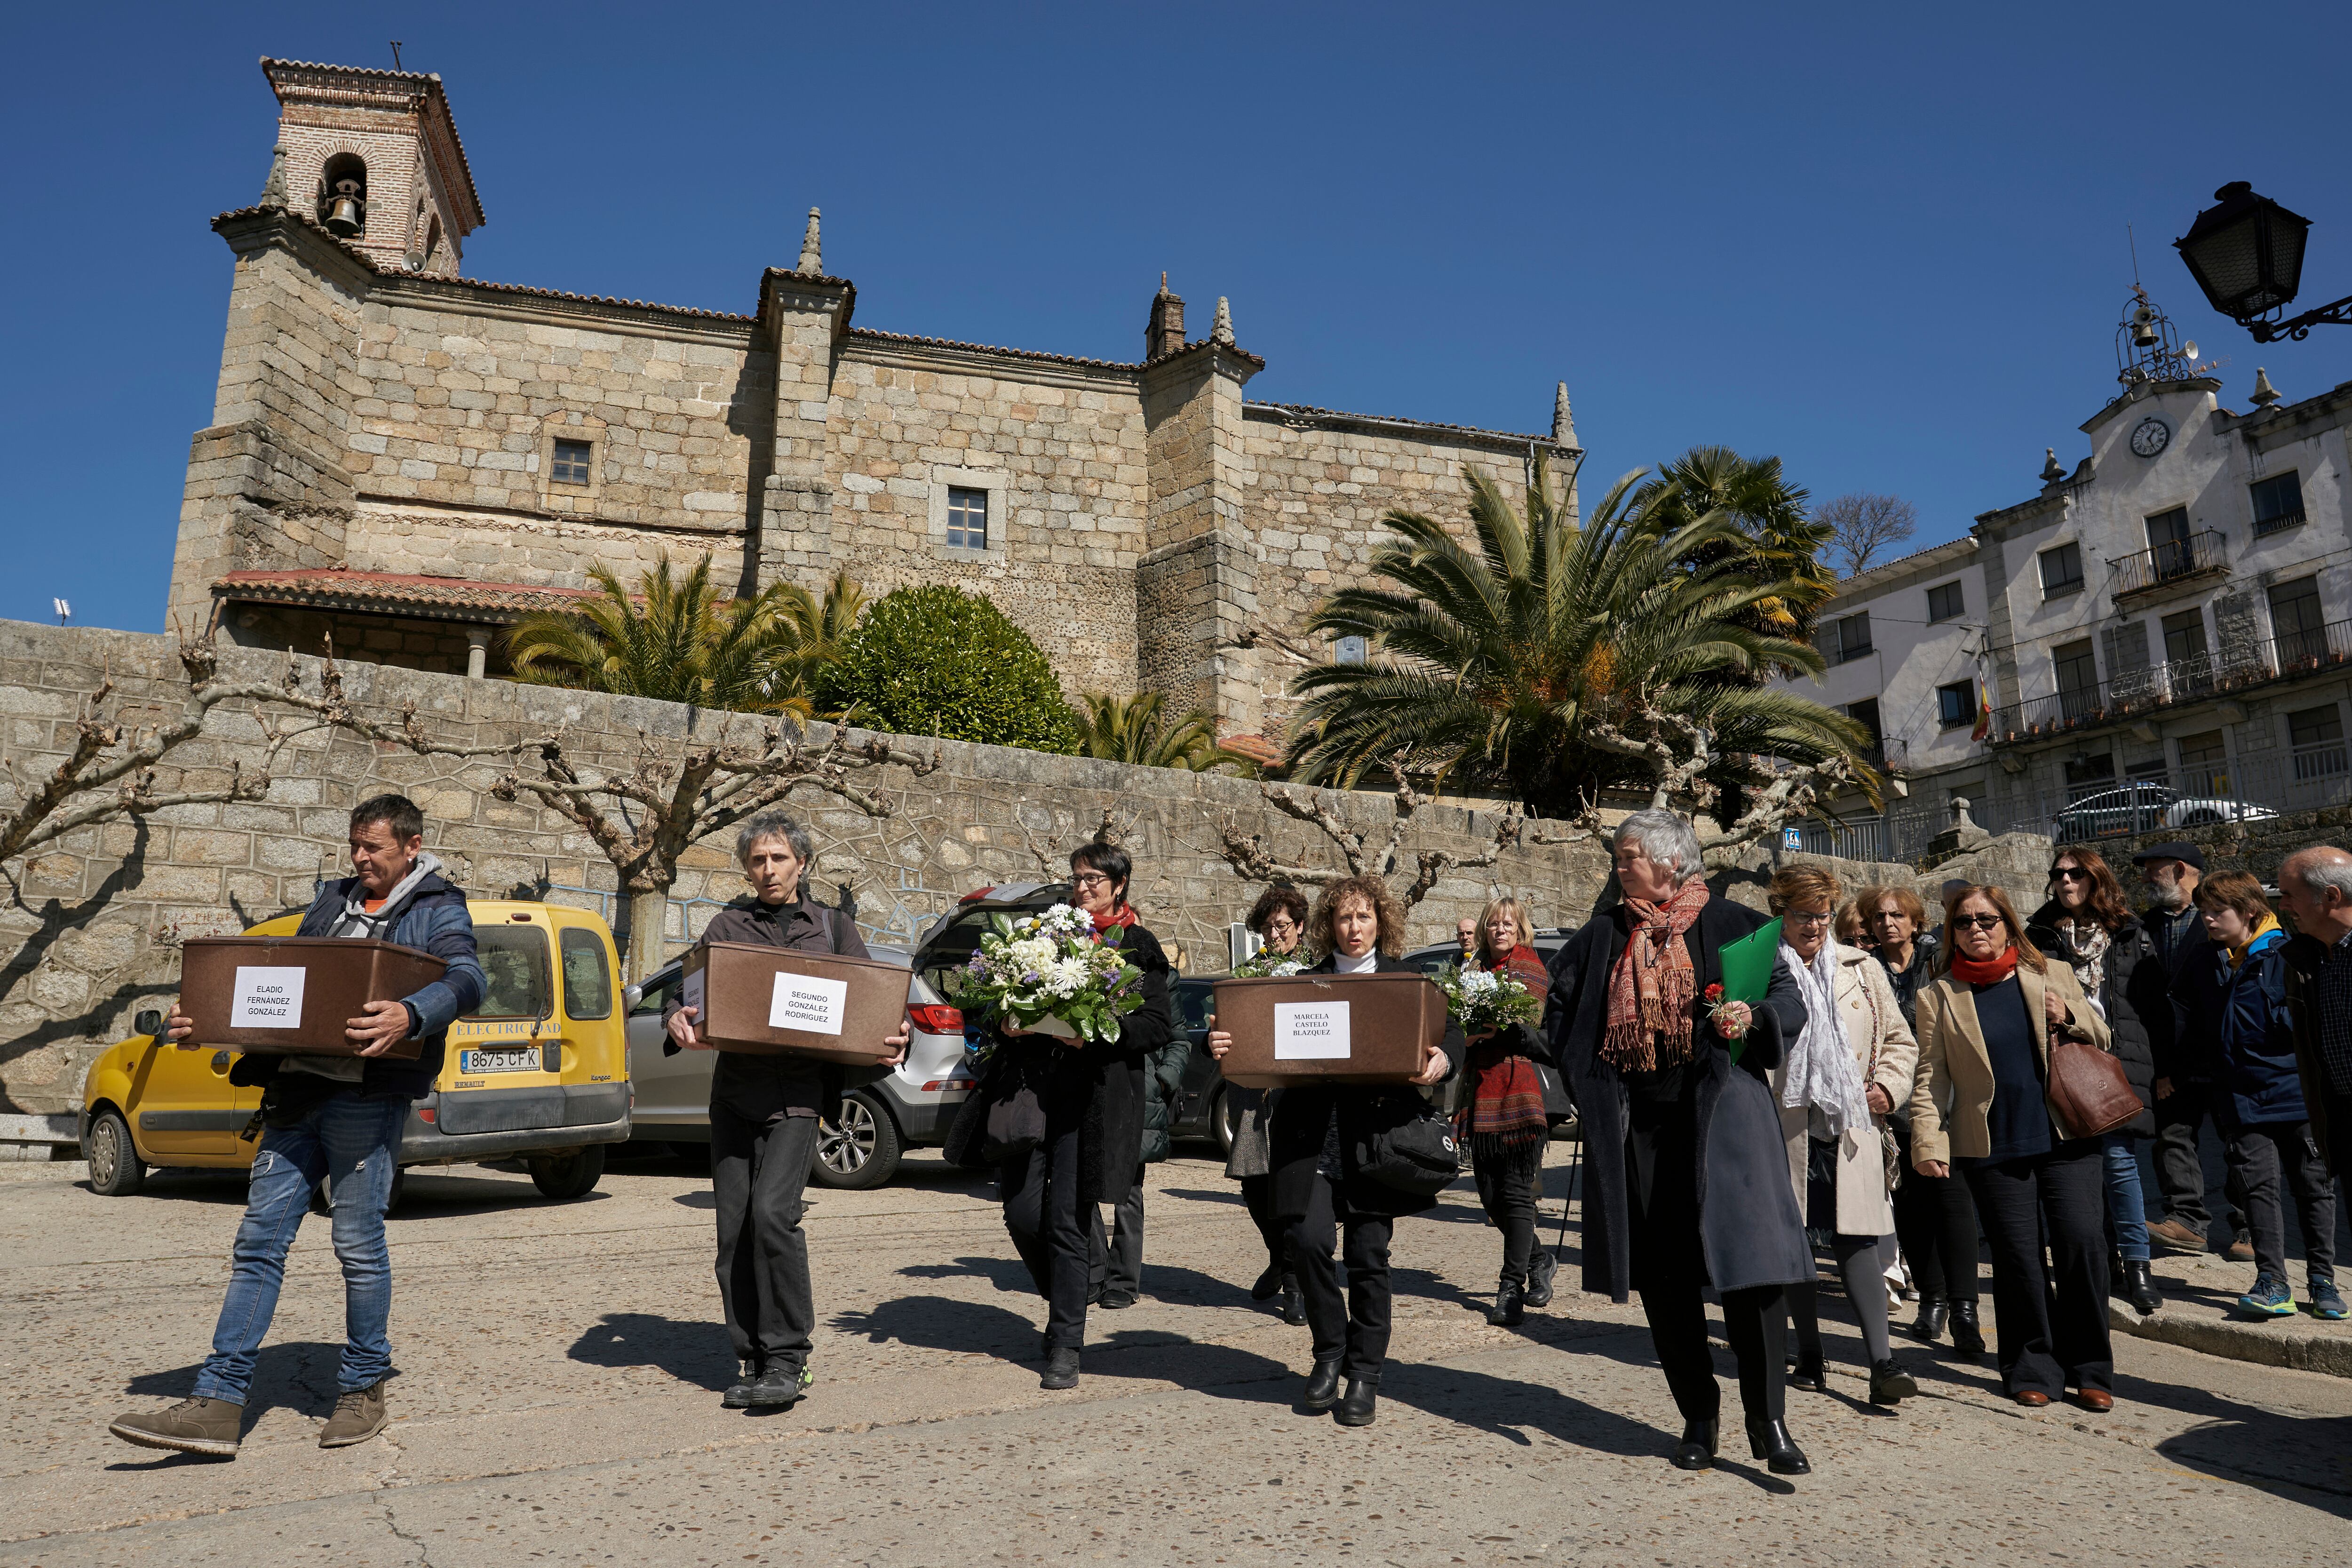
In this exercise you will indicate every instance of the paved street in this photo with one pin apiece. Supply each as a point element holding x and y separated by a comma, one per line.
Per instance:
<point>558,1402</point>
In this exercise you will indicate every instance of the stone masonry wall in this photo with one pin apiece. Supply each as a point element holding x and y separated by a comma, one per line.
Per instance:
<point>88,933</point>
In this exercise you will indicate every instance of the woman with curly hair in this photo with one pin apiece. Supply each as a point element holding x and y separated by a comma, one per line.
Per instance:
<point>1319,1192</point>
<point>1279,917</point>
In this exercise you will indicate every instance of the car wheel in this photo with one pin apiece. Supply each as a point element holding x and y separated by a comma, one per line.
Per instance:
<point>861,1151</point>
<point>116,1170</point>
<point>1222,1120</point>
<point>2200,819</point>
<point>565,1176</point>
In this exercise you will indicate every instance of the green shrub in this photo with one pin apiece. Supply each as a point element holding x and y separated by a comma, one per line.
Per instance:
<point>936,660</point>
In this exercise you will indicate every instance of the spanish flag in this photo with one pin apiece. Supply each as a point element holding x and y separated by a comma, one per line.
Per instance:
<point>1984,711</point>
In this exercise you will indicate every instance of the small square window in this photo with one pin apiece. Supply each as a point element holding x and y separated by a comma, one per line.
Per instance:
<point>2278,503</point>
<point>570,465</point>
<point>1851,636</point>
<point>1348,651</point>
<point>967,519</point>
<point>1956,705</point>
<point>2062,571</point>
<point>1945,602</point>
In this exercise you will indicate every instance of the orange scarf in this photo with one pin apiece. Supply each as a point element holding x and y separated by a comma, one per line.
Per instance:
<point>1652,988</point>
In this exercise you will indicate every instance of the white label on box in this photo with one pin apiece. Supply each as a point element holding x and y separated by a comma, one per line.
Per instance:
<point>1310,1031</point>
<point>690,995</point>
<point>266,997</point>
<point>814,1006</point>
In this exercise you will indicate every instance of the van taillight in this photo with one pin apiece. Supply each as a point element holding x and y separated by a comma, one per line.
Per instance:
<point>937,1018</point>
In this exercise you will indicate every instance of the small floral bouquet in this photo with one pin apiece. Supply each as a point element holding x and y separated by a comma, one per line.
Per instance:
<point>1052,973</point>
<point>1267,964</point>
<point>1484,1002</point>
<point>1718,1011</point>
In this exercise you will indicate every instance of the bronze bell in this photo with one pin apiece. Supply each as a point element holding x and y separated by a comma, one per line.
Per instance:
<point>346,210</point>
<point>2144,328</point>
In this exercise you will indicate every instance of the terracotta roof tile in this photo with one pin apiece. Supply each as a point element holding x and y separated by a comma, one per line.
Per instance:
<point>336,588</point>
<point>1310,411</point>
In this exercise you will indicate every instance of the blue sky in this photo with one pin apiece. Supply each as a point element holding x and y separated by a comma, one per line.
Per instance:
<point>1886,243</point>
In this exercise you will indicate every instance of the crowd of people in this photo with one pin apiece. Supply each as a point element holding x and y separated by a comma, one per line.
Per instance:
<point>1891,1097</point>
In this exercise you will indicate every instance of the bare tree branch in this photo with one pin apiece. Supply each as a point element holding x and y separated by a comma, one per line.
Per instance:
<point>1864,527</point>
<point>1248,855</point>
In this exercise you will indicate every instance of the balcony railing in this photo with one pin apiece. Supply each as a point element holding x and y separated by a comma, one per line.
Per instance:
<point>2257,786</point>
<point>2171,561</point>
<point>2239,664</point>
<point>2264,525</point>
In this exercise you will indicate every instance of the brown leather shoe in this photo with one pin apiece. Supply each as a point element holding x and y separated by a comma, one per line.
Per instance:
<point>191,1426</point>
<point>359,1416</point>
<point>2175,1236</point>
<point>2098,1401</point>
<point>2031,1398</point>
<point>2240,1251</point>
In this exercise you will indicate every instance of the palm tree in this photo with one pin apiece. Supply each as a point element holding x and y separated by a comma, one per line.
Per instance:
<point>1135,730</point>
<point>679,639</point>
<point>1778,536</point>
<point>1504,654</point>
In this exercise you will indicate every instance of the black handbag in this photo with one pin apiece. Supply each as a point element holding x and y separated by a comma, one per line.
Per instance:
<point>1005,1117</point>
<point>1415,1154</point>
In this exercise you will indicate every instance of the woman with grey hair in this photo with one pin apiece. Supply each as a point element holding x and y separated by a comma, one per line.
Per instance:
<point>1689,1183</point>
<point>764,1112</point>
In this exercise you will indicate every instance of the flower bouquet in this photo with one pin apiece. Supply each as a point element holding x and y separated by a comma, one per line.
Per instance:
<point>1267,964</point>
<point>1051,972</point>
<point>1484,1002</point>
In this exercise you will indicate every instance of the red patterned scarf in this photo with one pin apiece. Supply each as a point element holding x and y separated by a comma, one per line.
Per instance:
<point>1506,1107</point>
<point>1653,990</point>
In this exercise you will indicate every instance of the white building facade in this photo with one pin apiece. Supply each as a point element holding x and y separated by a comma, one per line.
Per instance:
<point>2164,632</point>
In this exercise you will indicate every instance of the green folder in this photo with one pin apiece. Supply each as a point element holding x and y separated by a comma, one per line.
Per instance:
<point>1747,970</point>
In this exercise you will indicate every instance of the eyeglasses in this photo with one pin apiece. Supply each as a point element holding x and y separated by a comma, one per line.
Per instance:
<point>1085,879</point>
<point>1977,922</point>
<point>1280,923</point>
<point>2069,874</point>
<point>1807,917</point>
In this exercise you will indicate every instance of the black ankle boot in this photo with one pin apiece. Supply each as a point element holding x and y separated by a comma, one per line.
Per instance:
<point>1809,1373</point>
<point>1770,1441</point>
<point>1696,1450</point>
<point>1322,1389</point>
<point>1890,1385</point>
<point>1509,1310</point>
<point>1061,1370</point>
<point>1933,1313</point>
<point>1968,1340</point>
<point>1540,1269</point>
<point>1359,1408</point>
<point>1268,1283</point>
<point>2139,1288</point>
<point>1294,1308</point>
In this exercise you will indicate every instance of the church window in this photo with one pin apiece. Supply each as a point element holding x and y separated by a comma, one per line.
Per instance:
<point>570,464</point>
<point>967,518</point>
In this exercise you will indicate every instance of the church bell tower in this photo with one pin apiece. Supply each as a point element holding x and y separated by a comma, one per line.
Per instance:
<point>373,155</point>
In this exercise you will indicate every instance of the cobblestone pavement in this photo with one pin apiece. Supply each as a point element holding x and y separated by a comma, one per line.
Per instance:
<point>560,1368</point>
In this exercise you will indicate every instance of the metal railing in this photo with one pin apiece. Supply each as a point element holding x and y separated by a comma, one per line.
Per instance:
<point>2240,663</point>
<point>2168,562</point>
<point>2264,525</point>
<point>2254,788</point>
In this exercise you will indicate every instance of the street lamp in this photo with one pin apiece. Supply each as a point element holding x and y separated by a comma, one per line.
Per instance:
<point>2246,254</point>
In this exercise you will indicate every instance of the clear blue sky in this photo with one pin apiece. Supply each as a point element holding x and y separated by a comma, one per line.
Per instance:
<point>1886,242</point>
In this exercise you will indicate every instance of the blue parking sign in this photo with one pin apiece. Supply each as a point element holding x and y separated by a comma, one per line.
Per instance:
<point>1792,839</point>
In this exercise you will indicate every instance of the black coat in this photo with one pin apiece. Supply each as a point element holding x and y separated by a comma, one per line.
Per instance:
<point>1299,1117</point>
<point>2180,1059</point>
<point>1750,1229</point>
<point>2131,991</point>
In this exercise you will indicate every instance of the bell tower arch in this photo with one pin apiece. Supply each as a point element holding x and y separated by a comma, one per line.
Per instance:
<point>374,156</point>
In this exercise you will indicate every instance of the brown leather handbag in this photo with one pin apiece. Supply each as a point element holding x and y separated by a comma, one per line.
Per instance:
<point>2088,1089</point>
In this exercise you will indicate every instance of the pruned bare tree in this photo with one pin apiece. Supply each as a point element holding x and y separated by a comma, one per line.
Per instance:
<point>1247,853</point>
<point>1863,526</point>
<point>1687,766</point>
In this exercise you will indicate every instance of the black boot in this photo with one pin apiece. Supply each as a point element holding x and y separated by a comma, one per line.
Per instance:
<point>1509,1310</point>
<point>2139,1288</point>
<point>739,1393</point>
<point>1696,1450</point>
<point>1268,1283</point>
<point>1540,1269</point>
<point>1294,1306</point>
<point>1770,1441</point>
<point>1061,1370</point>
<point>1322,1389</point>
<point>781,1387</point>
<point>1358,1408</point>
<point>1890,1385</point>
<point>1809,1373</point>
<point>1968,1340</point>
<point>1933,1313</point>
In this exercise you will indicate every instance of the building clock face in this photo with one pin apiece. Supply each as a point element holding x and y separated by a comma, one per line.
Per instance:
<point>2150,436</point>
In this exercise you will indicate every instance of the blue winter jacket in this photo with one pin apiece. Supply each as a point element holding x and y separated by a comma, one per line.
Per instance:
<point>2247,1029</point>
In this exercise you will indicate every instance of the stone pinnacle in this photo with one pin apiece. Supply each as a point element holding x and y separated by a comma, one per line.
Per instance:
<point>2265,393</point>
<point>812,253</point>
<point>1563,423</point>
<point>1221,330</point>
<point>2052,472</point>
<point>273,190</point>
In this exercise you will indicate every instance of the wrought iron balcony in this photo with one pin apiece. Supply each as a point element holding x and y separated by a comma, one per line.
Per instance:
<point>2175,560</point>
<point>2289,656</point>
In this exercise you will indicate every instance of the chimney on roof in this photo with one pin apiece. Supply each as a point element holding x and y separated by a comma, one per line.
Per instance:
<point>812,251</point>
<point>1223,331</point>
<point>1563,423</point>
<point>1164,333</point>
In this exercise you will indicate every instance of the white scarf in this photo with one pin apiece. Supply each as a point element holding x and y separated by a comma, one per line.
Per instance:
<point>1822,1072</point>
<point>1342,964</point>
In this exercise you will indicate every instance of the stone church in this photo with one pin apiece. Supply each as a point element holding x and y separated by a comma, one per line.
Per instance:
<point>411,459</point>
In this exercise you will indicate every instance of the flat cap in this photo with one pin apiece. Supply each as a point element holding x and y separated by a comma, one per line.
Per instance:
<point>2188,853</point>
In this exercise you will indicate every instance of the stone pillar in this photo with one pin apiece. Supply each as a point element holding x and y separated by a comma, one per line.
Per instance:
<point>802,317</point>
<point>1196,584</point>
<point>478,652</point>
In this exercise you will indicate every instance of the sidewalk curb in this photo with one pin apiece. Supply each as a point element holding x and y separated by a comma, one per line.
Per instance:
<point>2299,1342</point>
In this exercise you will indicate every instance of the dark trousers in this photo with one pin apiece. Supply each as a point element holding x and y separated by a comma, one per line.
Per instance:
<point>2180,1118</point>
<point>1123,1259</point>
<point>1059,1239</point>
<point>1257,1196</point>
<point>1669,1263</point>
<point>2339,1136</point>
<point>756,1172</point>
<point>1936,1222</point>
<point>1349,1321</point>
<point>2259,1158</point>
<point>1507,1179</point>
<point>2049,1344</point>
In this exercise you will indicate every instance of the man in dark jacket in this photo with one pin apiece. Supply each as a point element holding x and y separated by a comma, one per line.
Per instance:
<point>338,1120</point>
<point>2315,890</point>
<point>764,1111</point>
<point>2185,1073</point>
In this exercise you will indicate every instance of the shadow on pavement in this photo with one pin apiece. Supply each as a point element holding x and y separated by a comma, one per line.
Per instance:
<point>942,1323</point>
<point>696,1200</point>
<point>297,1375</point>
<point>1005,1273</point>
<point>693,1353</point>
<point>2313,1454</point>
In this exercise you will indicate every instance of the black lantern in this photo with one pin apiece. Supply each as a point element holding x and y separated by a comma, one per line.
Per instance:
<point>2246,253</point>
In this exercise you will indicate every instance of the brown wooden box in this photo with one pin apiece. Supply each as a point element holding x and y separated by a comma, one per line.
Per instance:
<point>744,992</point>
<point>292,994</point>
<point>1295,1030</point>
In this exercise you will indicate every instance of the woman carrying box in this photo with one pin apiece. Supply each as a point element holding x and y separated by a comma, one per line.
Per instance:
<point>1313,1134</point>
<point>764,1111</point>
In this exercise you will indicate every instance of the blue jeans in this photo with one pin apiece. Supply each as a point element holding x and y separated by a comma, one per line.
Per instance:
<point>353,1142</point>
<point>2126,1209</point>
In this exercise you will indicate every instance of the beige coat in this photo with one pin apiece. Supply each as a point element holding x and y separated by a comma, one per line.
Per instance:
<point>1887,1055</point>
<point>1953,1097</point>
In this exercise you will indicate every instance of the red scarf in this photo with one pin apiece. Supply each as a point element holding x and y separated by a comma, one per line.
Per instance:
<point>1654,986</point>
<point>1984,971</point>
<point>1120,915</point>
<point>1506,1107</point>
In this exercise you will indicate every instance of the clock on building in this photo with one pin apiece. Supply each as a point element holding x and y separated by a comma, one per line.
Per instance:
<point>2150,436</point>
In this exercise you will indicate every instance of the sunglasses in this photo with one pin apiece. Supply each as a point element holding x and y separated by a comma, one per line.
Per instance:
<point>1977,922</point>
<point>2069,874</point>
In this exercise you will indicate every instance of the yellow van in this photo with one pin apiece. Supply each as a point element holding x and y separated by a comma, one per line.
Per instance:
<point>541,1072</point>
